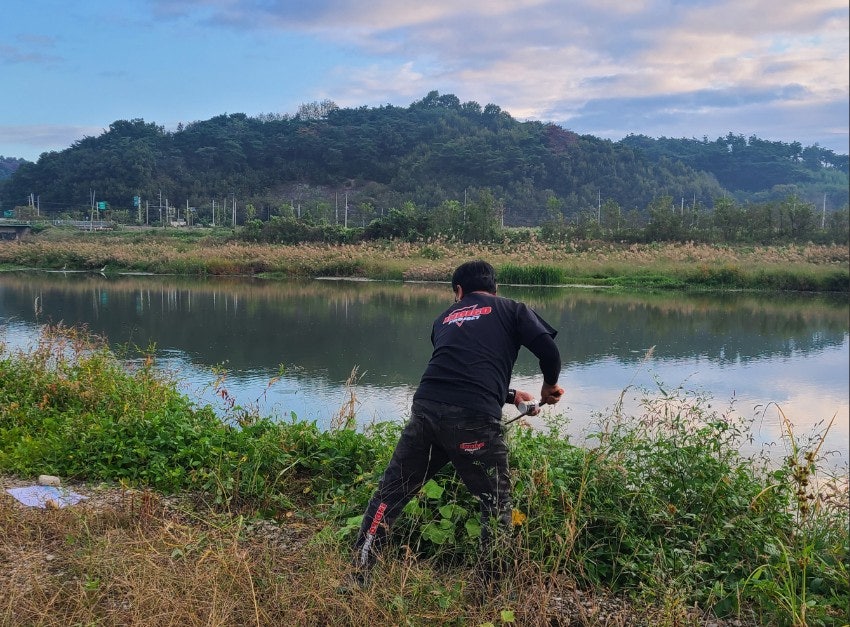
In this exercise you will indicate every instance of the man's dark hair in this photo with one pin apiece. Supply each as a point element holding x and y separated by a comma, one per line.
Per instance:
<point>474,276</point>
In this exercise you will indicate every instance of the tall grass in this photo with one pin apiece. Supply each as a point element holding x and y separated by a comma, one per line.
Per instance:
<point>667,266</point>
<point>812,557</point>
<point>531,275</point>
<point>661,521</point>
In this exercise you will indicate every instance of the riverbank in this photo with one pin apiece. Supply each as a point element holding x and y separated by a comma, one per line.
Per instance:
<point>130,556</point>
<point>659,266</point>
<point>663,521</point>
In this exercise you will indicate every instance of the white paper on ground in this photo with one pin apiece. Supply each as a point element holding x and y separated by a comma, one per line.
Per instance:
<point>41,495</point>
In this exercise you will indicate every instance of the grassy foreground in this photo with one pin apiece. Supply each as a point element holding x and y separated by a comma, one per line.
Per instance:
<point>520,258</point>
<point>663,522</point>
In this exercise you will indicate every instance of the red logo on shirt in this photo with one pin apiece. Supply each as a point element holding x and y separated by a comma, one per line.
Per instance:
<point>473,312</point>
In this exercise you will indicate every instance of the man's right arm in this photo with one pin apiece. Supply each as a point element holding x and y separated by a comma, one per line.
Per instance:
<point>546,351</point>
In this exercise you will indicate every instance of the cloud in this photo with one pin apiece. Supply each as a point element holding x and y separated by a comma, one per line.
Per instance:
<point>705,64</point>
<point>46,136</point>
<point>361,84</point>
<point>753,45</point>
<point>649,46</point>
<point>337,16</point>
<point>709,113</point>
<point>13,54</point>
<point>553,60</point>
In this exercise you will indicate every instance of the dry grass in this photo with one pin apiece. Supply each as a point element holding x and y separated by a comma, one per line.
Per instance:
<point>417,261</point>
<point>138,558</point>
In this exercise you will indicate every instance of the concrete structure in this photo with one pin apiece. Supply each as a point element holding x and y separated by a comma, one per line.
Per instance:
<point>14,230</point>
<point>86,225</point>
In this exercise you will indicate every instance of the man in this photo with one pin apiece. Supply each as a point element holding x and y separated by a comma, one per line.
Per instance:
<point>457,408</point>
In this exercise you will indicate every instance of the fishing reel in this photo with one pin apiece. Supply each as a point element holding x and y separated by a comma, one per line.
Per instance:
<point>528,407</point>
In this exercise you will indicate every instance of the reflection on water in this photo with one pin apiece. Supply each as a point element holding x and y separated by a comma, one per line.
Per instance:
<point>752,351</point>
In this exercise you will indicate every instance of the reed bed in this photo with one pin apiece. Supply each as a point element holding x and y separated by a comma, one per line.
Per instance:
<point>793,267</point>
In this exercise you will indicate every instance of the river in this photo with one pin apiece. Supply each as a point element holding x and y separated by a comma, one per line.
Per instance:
<point>287,349</point>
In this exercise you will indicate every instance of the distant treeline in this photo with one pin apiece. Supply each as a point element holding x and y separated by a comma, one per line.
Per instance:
<point>332,166</point>
<point>479,219</point>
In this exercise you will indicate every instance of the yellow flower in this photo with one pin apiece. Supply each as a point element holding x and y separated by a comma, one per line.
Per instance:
<point>517,517</point>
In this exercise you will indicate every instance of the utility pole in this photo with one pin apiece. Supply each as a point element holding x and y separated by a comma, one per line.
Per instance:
<point>599,207</point>
<point>345,224</point>
<point>823,214</point>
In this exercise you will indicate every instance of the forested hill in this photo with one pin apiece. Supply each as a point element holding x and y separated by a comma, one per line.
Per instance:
<point>436,149</point>
<point>8,165</point>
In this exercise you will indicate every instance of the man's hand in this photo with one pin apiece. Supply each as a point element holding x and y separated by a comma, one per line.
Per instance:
<point>550,394</point>
<point>522,395</point>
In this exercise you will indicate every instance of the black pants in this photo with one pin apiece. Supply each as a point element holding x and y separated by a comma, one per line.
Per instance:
<point>436,435</point>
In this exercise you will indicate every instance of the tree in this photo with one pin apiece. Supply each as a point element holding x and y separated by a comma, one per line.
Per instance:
<point>407,223</point>
<point>728,219</point>
<point>449,220</point>
<point>316,110</point>
<point>8,166</point>
<point>482,218</point>
<point>801,218</point>
<point>758,223</point>
<point>610,215</point>
<point>838,226</point>
<point>665,224</point>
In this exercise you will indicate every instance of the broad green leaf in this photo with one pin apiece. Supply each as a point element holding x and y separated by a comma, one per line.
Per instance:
<point>453,511</point>
<point>432,489</point>
<point>434,533</point>
<point>473,528</point>
<point>413,508</point>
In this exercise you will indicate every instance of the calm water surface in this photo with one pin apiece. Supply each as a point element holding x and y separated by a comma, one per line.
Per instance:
<point>750,354</point>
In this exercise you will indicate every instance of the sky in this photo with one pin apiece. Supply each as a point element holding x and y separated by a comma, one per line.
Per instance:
<point>776,69</point>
